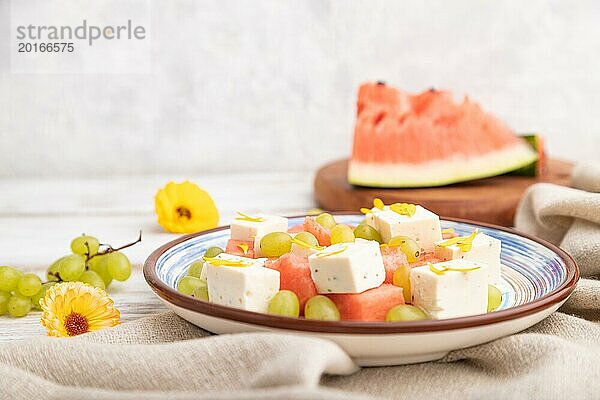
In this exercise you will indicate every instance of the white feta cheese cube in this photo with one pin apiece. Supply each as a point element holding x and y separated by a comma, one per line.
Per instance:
<point>450,294</point>
<point>254,230</point>
<point>423,226</point>
<point>249,286</point>
<point>348,267</point>
<point>484,249</point>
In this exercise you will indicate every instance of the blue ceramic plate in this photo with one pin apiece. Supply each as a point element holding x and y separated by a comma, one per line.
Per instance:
<point>537,277</point>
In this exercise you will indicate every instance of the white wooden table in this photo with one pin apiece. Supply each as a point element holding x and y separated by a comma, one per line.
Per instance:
<point>39,218</point>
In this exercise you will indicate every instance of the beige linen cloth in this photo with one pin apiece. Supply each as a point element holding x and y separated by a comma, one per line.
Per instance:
<point>164,357</point>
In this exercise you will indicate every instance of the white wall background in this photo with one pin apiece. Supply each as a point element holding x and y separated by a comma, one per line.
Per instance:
<point>263,85</point>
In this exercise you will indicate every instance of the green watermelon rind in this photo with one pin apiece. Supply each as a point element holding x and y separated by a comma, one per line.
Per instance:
<point>441,172</point>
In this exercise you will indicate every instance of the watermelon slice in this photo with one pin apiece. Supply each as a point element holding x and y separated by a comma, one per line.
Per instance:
<point>237,247</point>
<point>403,140</point>
<point>370,305</point>
<point>321,233</point>
<point>536,168</point>
<point>393,258</point>
<point>294,275</point>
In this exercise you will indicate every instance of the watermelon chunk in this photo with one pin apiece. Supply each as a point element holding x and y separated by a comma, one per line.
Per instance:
<point>428,139</point>
<point>425,258</point>
<point>233,247</point>
<point>296,229</point>
<point>370,305</point>
<point>322,234</point>
<point>393,258</point>
<point>294,275</point>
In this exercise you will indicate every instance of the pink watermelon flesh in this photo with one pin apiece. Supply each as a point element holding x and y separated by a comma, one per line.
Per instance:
<point>393,258</point>
<point>294,275</point>
<point>322,234</point>
<point>428,139</point>
<point>425,258</point>
<point>370,305</point>
<point>233,248</point>
<point>296,229</point>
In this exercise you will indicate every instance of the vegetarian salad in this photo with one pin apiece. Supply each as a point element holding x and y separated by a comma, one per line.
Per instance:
<point>396,265</point>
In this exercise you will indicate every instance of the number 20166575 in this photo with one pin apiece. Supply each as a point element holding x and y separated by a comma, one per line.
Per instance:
<point>26,47</point>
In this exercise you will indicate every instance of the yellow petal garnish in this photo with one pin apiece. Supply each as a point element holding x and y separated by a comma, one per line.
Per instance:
<point>365,210</point>
<point>462,269</point>
<point>434,269</point>
<point>328,253</point>
<point>451,241</point>
<point>443,268</point>
<point>244,247</point>
<point>219,262</point>
<point>404,209</point>
<point>306,245</point>
<point>378,203</point>
<point>245,217</point>
<point>448,230</point>
<point>465,243</point>
<point>185,208</point>
<point>73,308</point>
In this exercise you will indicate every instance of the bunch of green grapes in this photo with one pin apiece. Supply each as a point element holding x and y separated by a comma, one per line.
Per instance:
<point>21,292</point>
<point>89,264</point>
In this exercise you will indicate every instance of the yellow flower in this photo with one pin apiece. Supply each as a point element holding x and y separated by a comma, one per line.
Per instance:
<point>185,208</point>
<point>73,308</point>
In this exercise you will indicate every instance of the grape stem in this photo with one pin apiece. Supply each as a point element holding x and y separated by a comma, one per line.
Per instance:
<point>111,249</point>
<point>56,275</point>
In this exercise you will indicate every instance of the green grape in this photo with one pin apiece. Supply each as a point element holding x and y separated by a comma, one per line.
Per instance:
<point>494,298</point>
<point>98,265</point>
<point>408,246</point>
<point>118,265</point>
<point>71,267</point>
<point>188,284</point>
<point>18,306</point>
<point>29,285</point>
<point>307,238</point>
<point>405,312</point>
<point>276,244</point>
<point>401,279</point>
<point>201,292</point>
<point>195,269</point>
<point>9,277</point>
<point>321,308</point>
<point>342,234</point>
<point>53,270</point>
<point>4,296</point>
<point>92,278</point>
<point>285,302</point>
<point>326,220</point>
<point>35,300</point>
<point>367,232</point>
<point>80,245</point>
<point>213,252</point>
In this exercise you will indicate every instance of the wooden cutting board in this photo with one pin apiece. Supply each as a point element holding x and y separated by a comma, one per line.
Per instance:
<point>492,200</point>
